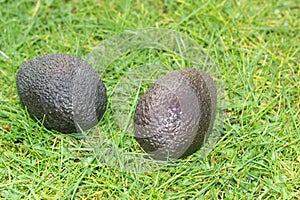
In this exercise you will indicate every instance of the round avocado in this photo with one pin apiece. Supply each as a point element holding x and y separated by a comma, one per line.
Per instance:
<point>62,90</point>
<point>176,114</point>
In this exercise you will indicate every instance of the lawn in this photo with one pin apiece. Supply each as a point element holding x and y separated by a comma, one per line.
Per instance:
<point>256,47</point>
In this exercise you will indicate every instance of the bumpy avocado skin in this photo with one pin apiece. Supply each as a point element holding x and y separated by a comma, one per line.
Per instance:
<point>175,114</point>
<point>63,90</point>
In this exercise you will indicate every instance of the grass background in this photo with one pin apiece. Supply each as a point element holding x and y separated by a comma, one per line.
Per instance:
<point>256,46</point>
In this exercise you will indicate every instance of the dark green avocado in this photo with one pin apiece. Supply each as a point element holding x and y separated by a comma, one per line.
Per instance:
<point>62,90</point>
<point>175,114</point>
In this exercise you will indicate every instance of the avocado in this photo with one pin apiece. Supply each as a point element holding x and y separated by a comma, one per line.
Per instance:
<point>62,90</point>
<point>176,114</point>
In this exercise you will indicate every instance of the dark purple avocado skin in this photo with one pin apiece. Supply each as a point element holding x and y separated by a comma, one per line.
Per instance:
<point>63,90</point>
<point>175,114</point>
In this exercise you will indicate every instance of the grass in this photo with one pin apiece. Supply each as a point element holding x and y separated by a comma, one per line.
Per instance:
<point>256,46</point>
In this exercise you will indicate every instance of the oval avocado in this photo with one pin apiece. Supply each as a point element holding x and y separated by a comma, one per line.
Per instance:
<point>62,90</point>
<point>176,114</point>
